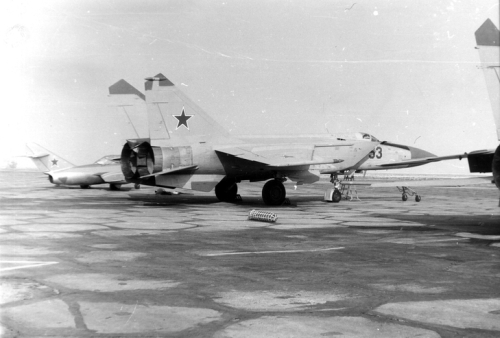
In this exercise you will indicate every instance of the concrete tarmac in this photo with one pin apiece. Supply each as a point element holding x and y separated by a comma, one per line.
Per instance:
<point>100,263</point>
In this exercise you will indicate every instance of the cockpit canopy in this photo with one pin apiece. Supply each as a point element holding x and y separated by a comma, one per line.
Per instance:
<point>365,136</point>
<point>359,136</point>
<point>107,160</point>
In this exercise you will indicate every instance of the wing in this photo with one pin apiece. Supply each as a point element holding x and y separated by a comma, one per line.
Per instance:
<point>269,162</point>
<point>112,177</point>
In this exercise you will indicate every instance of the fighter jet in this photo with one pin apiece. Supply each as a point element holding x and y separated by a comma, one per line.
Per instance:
<point>480,161</point>
<point>187,149</point>
<point>62,172</point>
<point>488,46</point>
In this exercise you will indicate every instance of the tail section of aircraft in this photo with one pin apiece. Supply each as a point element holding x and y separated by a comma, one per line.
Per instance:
<point>131,103</point>
<point>174,119</point>
<point>488,46</point>
<point>46,160</point>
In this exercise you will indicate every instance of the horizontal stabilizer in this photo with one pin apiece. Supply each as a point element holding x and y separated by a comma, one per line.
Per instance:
<point>37,156</point>
<point>488,34</point>
<point>122,87</point>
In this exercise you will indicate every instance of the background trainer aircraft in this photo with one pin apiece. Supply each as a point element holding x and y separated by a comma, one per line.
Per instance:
<point>62,172</point>
<point>187,149</point>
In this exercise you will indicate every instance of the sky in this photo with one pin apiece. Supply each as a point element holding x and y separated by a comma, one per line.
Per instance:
<point>404,71</point>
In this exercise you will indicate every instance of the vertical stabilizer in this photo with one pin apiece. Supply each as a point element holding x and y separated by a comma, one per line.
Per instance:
<point>130,102</point>
<point>488,46</point>
<point>44,159</point>
<point>174,119</point>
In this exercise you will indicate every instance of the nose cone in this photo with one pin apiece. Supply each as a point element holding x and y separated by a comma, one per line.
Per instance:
<point>417,153</point>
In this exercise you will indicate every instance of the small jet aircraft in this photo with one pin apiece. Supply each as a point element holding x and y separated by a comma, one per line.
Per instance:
<point>62,172</point>
<point>187,149</point>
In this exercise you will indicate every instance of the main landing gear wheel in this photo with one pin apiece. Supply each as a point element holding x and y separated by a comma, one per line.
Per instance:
<point>336,196</point>
<point>85,186</point>
<point>114,187</point>
<point>227,191</point>
<point>137,186</point>
<point>418,198</point>
<point>404,197</point>
<point>274,193</point>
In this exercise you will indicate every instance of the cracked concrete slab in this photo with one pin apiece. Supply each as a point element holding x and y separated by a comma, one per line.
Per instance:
<point>58,227</point>
<point>125,233</point>
<point>462,313</point>
<point>105,256</point>
<point>52,313</point>
<point>108,282</point>
<point>320,327</point>
<point>263,301</point>
<point>412,287</point>
<point>143,318</point>
<point>151,224</point>
<point>20,250</point>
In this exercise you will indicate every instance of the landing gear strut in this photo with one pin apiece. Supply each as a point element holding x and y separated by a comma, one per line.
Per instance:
<point>227,190</point>
<point>334,195</point>
<point>409,192</point>
<point>274,192</point>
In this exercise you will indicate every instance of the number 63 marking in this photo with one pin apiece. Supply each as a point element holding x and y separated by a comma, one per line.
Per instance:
<point>376,153</point>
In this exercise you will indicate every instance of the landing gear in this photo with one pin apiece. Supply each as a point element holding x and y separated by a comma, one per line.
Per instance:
<point>336,196</point>
<point>85,186</point>
<point>227,190</point>
<point>114,187</point>
<point>137,186</point>
<point>409,192</point>
<point>274,192</point>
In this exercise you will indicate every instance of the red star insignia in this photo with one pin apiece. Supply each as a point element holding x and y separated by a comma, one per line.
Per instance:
<point>182,119</point>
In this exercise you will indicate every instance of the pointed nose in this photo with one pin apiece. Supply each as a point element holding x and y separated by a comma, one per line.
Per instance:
<point>417,153</point>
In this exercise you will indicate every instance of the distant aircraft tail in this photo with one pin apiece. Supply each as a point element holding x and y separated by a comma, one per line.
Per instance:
<point>46,160</point>
<point>488,46</point>
<point>131,103</point>
<point>176,120</point>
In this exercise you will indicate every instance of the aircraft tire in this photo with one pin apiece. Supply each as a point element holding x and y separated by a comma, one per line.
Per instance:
<point>404,197</point>
<point>114,187</point>
<point>226,190</point>
<point>418,198</point>
<point>274,193</point>
<point>85,186</point>
<point>336,196</point>
<point>137,186</point>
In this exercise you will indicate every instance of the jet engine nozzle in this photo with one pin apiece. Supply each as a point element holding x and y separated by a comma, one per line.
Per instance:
<point>142,159</point>
<point>137,161</point>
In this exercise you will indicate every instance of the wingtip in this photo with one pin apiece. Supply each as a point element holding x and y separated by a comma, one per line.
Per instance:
<point>123,87</point>
<point>488,34</point>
